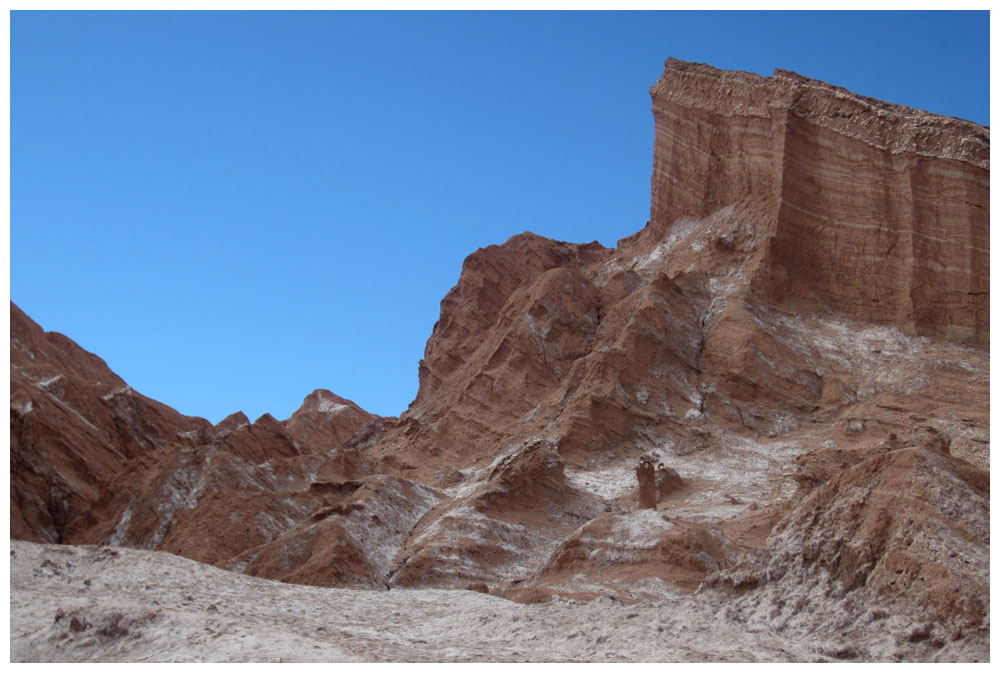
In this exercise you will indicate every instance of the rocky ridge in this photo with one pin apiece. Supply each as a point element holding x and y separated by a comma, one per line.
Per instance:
<point>799,334</point>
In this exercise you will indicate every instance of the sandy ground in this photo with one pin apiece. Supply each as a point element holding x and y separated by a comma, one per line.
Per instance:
<point>91,603</point>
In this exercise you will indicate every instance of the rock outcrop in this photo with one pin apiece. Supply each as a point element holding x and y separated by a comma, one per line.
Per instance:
<point>645,475</point>
<point>92,459</point>
<point>74,425</point>
<point>798,338</point>
<point>876,211</point>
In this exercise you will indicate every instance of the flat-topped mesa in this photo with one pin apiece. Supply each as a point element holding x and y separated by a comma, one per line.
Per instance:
<point>875,210</point>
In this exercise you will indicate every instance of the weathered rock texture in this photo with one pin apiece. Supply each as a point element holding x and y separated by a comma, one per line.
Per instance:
<point>91,459</point>
<point>73,426</point>
<point>877,211</point>
<point>797,340</point>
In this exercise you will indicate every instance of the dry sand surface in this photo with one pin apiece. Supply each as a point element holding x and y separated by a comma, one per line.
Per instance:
<point>89,603</point>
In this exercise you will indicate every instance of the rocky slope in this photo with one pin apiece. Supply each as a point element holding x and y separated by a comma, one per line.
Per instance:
<point>799,335</point>
<point>91,458</point>
<point>74,424</point>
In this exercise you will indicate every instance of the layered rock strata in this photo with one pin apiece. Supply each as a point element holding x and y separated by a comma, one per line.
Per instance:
<point>798,340</point>
<point>877,211</point>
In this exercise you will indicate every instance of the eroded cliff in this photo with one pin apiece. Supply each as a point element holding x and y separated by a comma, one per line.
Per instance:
<point>873,210</point>
<point>798,338</point>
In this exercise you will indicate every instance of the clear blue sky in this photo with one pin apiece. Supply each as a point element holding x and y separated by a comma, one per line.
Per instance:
<point>233,209</point>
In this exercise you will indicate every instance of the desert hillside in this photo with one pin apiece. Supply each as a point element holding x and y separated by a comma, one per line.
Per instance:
<point>763,418</point>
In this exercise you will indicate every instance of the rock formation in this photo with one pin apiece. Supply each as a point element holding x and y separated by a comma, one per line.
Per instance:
<point>92,459</point>
<point>799,336</point>
<point>645,474</point>
<point>876,211</point>
<point>667,482</point>
<point>74,425</point>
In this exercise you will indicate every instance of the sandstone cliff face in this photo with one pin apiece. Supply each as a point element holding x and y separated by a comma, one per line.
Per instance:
<point>799,335</point>
<point>876,211</point>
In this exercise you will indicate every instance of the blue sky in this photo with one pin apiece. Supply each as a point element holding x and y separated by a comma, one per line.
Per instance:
<point>235,208</point>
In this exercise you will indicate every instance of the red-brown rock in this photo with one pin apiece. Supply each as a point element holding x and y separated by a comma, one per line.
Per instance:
<point>799,335</point>
<point>74,425</point>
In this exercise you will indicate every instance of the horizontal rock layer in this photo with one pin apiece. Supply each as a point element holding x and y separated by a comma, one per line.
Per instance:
<point>875,210</point>
<point>796,340</point>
